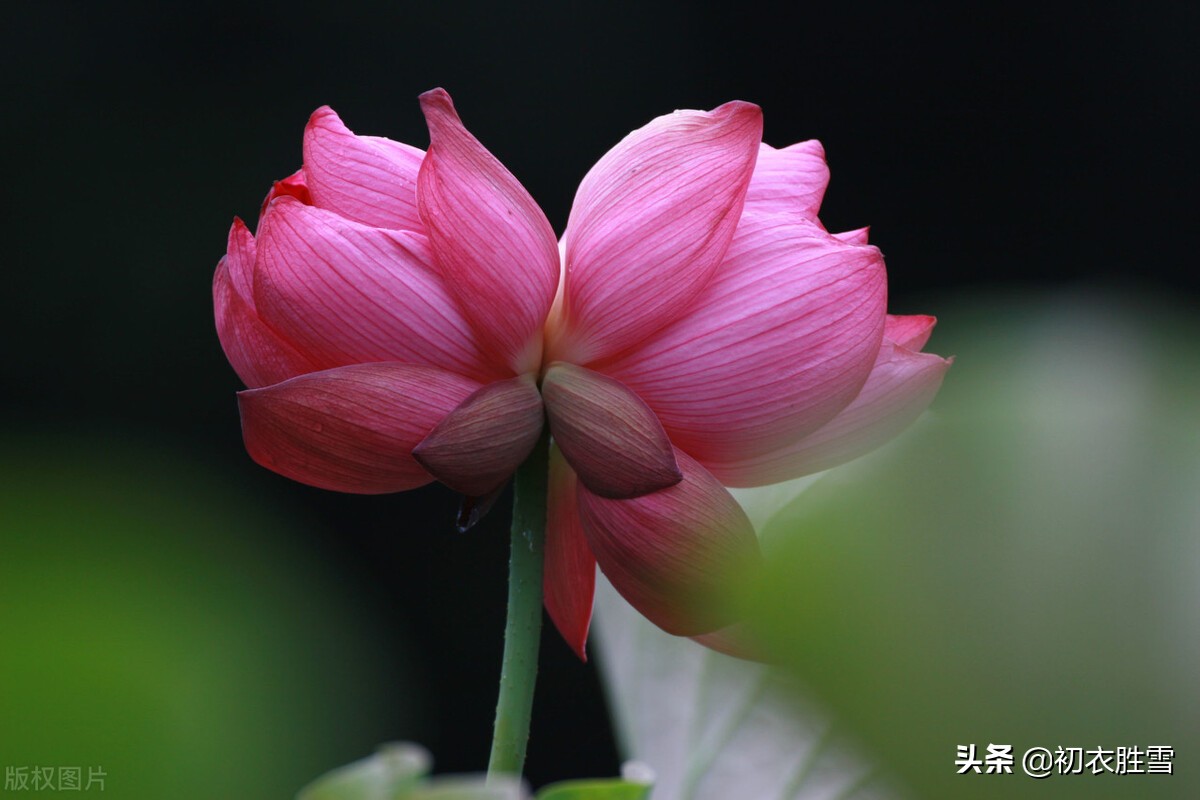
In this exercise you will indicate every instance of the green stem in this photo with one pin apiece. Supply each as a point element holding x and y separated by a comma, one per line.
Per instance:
<point>522,632</point>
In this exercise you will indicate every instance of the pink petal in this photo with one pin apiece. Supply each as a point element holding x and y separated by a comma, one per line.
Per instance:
<point>779,343</point>
<point>479,445</point>
<point>608,435</point>
<point>791,180</point>
<point>258,355</point>
<point>650,224</point>
<point>900,387</point>
<point>350,429</point>
<point>569,582</point>
<point>345,293</point>
<point>910,332</point>
<point>493,244</point>
<point>672,553</point>
<point>365,179</point>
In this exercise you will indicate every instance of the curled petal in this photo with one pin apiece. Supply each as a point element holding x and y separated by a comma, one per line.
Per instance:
<point>481,443</point>
<point>346,293</point>
<point>902,385</point>
<point>608,435</point>
<point>781,341</point>
<point>672,553</point>
<point>791,180</point>
<point>650,224</point>
<point>492,243</point>
<point>293,186</point>
<point>258,355</point>
<point>366,179</point>
<point>350,429</point>
<point>569,584</point>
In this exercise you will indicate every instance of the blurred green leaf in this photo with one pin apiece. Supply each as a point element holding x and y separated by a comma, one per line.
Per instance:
<point>174,629</point>
<point>458,787</point>
<point>390,774</point>
<point>1022,567</point>
<point>599,789</point>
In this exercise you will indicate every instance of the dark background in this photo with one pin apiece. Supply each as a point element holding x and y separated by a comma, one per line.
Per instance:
<point>985,147</point>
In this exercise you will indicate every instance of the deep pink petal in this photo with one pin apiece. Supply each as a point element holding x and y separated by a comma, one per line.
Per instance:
<point>672,553</point>
<point>779,343</point>
<point>365,179</point>
<point>569,583</point>
<point>492,243</point>
<point>257,354</point>
<point>910,332</point>
<point>900,387</point>
<point>791,180</point>
<point>350,429</point>
<point>346,293</point>
<point>650,224</point>
<point>479,445</point>
<point>607,433</point>
<point>293,186</point>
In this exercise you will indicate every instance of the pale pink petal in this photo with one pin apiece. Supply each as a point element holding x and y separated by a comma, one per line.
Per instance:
<point>911,332</point>
<point>479,445</point>
<point>900,387</point>
<point>346,293</point>
<point>492,243</point>
<point>607,433</point>
<point>779,343</point>
<point>569,582</point>
<point>257,354</point>
<point>673,553</point>
<point>350,429</point>
<point>366,179</point>
<point>791,180</point>
<point>650,224</point>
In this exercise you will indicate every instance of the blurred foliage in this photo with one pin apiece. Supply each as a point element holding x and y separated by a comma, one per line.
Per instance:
<point>1020,568</point>
<point>174,631</point>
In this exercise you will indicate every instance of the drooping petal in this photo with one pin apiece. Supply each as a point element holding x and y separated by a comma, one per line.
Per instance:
<point>650,223</point>
<point>735,640</point>
<point>608,435</point>
<point>492,243</point>
<point>569,582</point>
<point>346,293</point>
<point>791,180</point>
<point>257,354</point>
<point>910,332</point>
<point>350,429</point>
<point>779,343</point>
<point>481,443</point>
<point>902,385</point>
<point>366,179</point>
<point>672,553</point>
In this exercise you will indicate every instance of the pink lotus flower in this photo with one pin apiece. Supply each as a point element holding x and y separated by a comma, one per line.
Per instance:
<point>403,317</point>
